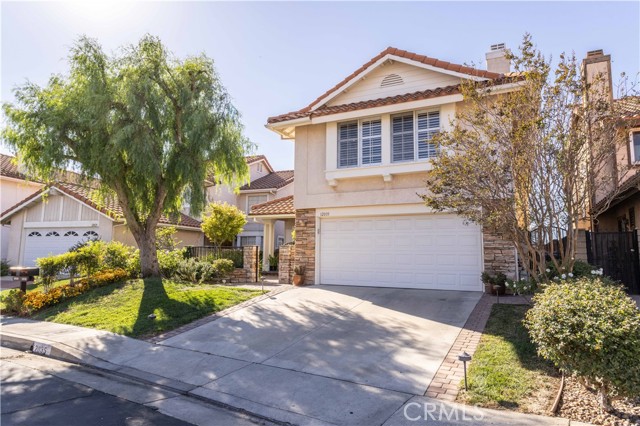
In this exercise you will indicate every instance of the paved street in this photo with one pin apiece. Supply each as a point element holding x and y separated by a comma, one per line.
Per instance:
<point>32,396</point>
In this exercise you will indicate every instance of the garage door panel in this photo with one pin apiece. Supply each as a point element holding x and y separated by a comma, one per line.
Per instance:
<point>420,251</point>
<point>46,242</point>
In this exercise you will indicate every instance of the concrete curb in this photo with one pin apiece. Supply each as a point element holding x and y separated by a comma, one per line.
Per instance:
<point>64,353</point>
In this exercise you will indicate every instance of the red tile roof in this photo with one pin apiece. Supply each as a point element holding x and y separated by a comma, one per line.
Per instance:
<point>273,180</point>
<point>629,106</point>
<point>9,168</point>
<point>279,206</point>
<point>388,51</point>
<point>109,207</point>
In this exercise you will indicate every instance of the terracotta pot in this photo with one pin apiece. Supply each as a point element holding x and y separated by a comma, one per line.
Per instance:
<point>298,280</point>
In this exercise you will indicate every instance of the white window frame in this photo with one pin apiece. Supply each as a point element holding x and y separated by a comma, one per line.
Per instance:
<point>255,195</point>
<point>632,153</point>
<point>260,167</point>
<point>359,122</point>
<point>255,239</point>
<point>415,113</point>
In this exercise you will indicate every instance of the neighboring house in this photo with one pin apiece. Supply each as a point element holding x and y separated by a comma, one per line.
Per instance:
<point>265,185</point>
<point>617,199</point>
<point>362,153</point>
<point>14,186</point>
<point>55,217</point>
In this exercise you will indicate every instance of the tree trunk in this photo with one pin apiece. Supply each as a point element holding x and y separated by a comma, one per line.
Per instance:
<point>604,399</point>
<point>149,266</point>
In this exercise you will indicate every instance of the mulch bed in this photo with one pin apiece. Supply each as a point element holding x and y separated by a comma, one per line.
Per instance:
<point>581,404</point>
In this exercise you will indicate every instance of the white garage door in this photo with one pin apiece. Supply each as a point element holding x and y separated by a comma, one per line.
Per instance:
<point>417,251</point>
<point>46,242</point>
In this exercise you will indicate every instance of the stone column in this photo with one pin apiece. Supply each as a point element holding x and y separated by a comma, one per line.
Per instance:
<point>268,241</point>
<point>499,254</point>
<point>305,249</point>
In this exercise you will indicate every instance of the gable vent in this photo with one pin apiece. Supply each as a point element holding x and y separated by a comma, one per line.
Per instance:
<point>391,80</point>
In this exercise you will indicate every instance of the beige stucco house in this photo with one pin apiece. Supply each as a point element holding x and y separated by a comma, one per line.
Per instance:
<point>362,153</point>
<point>55,217</point>
<point>265,185</point>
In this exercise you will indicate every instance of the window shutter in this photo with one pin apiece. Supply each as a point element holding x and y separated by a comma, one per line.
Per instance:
<point>348,144</point>
<point>402,138</point>
<point>371,142</point>
<point>428,126</point>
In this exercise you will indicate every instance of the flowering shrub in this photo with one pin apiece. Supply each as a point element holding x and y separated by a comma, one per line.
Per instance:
<point>21,304</point>
<point>589,328</point>
<point>522,286</point>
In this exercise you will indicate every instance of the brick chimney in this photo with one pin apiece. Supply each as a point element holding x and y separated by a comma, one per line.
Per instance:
<point>596,71</point>
<point>497,59</point>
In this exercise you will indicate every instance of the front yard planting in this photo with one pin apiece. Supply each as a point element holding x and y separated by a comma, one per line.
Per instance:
<point>505,371</point>
<point>125,307</point>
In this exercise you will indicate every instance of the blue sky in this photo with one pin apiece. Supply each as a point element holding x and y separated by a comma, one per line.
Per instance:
<point>278,57</point>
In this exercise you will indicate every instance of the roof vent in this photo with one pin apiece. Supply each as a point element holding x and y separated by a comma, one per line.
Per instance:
<point>391,80</point>
<point>593,53</point>
<point>498,46</point>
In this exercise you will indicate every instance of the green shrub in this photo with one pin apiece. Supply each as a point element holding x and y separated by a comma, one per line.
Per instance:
<point>169,261</point>
<point>13,300</point>
<point>193,270</point>
<point>116,255</point>
<point>223,267</point>
<point>4,267</point>
<point>590,329</point>
<point>133,264</point>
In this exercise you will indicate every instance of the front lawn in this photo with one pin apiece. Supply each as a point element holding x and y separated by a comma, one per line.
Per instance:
<point>124,307</point>
<point>505,371</point>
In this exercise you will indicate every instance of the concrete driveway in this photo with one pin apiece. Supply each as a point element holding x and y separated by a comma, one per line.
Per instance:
<point>391,339</point>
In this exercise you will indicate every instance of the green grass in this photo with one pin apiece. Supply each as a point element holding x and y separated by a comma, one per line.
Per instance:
<point>505,371</point>
<point>124,307</point>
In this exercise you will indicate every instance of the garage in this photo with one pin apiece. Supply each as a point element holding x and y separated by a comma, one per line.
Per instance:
<point>45,242</point>
<point>428,251</point>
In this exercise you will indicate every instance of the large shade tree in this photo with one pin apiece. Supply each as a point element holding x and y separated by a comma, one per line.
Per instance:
<point>140,123</point>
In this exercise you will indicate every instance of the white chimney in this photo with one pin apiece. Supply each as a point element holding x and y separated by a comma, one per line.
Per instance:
<point>497,59</point>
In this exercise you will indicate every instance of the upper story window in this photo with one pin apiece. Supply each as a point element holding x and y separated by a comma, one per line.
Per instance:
<point>411,135</point>
<point>260,167</point>
<point>635,146</point>
<point>360,143</point>
<point>252,200</point>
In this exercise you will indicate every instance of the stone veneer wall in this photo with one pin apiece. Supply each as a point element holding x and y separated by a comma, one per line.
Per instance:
<point>248,273</point>
<point>305,247</point>
<point>285,263</point>
<point>499,254</point>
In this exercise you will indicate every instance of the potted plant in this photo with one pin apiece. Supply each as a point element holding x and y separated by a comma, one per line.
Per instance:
<point>273,262</point>
<point>494,283</point>
<point>298,275</point>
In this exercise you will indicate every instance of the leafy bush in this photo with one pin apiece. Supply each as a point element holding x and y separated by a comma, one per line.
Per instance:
<point>223,267</point>
<point>4,267</point>
<point>193,270</point>
<point>169,261</point>
<point>13,300</point>
<point>222,222</point>
<point>590,329</point>
<point>33,301</point>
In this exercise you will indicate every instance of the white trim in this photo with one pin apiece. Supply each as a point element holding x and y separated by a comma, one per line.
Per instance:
<point>439,70</point>
<point>377,210</point>
<point>382,60</point>
<point>632,155</point>
<point>257,218</point>
<point>382,170</point>
<point>61,224</point>
<point>266,191</point>
<point>389,109</point>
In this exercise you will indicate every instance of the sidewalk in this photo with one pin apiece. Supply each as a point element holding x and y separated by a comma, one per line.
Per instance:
<point>312,399</point>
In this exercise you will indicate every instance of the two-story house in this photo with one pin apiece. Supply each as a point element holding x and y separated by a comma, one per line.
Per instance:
<point>362,153</point>
<point>265,184</point>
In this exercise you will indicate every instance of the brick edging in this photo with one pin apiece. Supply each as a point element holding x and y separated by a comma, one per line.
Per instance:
<point>210,318</point>
<point>444,385</point>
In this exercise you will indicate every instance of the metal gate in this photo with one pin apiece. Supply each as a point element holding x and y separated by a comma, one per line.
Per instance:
<point>617,254</point>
